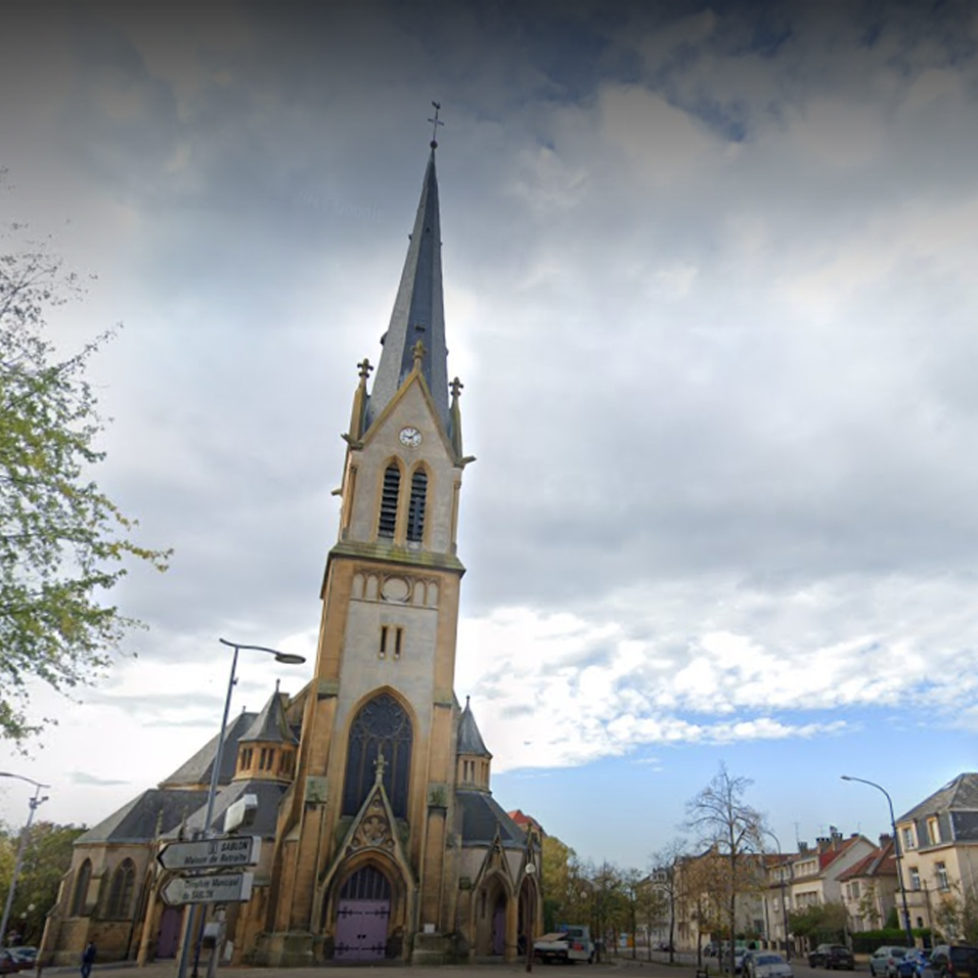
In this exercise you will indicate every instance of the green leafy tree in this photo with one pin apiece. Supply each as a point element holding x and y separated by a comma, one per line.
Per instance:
<point>47,857</point>
<point>822,923</point>
<point>729,826</point>
<point>63,543</point>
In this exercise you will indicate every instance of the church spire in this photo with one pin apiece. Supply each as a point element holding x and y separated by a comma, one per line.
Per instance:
<point>418,312</point>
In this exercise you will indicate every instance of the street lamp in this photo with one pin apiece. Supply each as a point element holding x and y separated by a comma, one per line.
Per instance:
<point>784,905</point>
<point>288,658</point>
<point>530,899</point>
<point>33,802</point>
<point>897,852</point>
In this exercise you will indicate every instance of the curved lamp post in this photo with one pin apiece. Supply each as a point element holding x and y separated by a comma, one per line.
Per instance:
<point>784,905</point>
<point>288,658</point>
<point>34,802</point>
<point>897,851</point>
<point>531,869</point>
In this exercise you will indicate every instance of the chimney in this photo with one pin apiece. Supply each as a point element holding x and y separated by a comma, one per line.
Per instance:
<point>802,847</point>
<point>885,839</point>
<point>822,843</point>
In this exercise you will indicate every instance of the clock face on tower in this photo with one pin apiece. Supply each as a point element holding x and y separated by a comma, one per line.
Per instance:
<point>410,436</point>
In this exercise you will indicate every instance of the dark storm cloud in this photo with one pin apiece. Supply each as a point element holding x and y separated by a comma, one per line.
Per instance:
<point>709,286</point>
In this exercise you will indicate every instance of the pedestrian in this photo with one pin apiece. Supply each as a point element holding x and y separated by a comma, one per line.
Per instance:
<point>88,959</point>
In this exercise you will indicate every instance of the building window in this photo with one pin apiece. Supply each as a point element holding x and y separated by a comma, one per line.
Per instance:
<point>934,830</point>
<point>81,889</point>
<point>391,640</point>
<point>381,727</point>
<point>854,890</point>
<point>914,878</point>
<point>909,840</point>
<point>940,871</point>
<point>121,890</point>
<point>388,501</point>
<point>419,494</point>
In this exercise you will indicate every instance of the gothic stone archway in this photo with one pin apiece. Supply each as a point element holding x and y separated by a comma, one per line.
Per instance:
<point>363,914</point>
<point>490,918</point>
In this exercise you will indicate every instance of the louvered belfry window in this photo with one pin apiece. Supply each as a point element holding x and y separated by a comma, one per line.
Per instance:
<point>419,493</point>
<point>388,501</point>
<point>381,726</point>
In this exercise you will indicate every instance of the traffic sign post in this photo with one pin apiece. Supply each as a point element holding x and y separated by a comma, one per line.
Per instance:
<point>219,888</point>
<point>221,853</point>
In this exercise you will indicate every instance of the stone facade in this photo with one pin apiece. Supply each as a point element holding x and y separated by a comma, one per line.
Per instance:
<point>381,836</point>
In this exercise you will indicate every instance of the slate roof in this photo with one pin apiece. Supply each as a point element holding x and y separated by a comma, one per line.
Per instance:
<point>197,770</point>
<point>418,312</point>
<point>137,820</point>
<point>469,739</point>
<point>483,817</point>
<point>269,796</point>
<point>270,725</point>
<point>959,794</point>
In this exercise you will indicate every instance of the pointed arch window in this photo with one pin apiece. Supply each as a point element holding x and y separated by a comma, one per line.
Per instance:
<point>367,883</point>
<point>416,508</point>
<point>381,726</point>
<point>388,501</point>
<point>121,891</point>
<point>81,889</point>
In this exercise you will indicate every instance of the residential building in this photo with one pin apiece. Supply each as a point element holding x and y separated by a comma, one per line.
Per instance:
<point>939,850</point>
<point>810,877</point>
<point>869,888</point>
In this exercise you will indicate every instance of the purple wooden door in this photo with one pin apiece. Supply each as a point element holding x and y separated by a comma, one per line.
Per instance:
<point>169,936</point>
<point>499,929</point>
<point>361,930</point>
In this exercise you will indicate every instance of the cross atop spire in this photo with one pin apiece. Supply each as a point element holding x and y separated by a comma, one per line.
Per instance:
<point>435,123</point>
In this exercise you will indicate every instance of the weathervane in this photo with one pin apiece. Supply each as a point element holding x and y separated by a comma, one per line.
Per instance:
<point>435,123</point>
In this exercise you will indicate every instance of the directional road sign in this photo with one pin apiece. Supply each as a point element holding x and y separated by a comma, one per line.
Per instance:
<point>221,853</point>
<point>222,888</point>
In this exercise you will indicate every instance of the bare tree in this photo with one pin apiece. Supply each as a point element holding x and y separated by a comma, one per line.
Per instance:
<point>665,875</point>
<point>725,823</point>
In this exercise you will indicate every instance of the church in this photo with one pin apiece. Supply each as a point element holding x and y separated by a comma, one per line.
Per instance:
<point>380,835</point>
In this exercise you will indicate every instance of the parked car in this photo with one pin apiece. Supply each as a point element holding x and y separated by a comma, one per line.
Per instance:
<point>764,964</point>
<point>24,955</point>
<point>919,957</point>
<point>831,956</point>
<point>884,960</point>
<point>711,949</point>
<point>8,963</point>
<point>953,961</point>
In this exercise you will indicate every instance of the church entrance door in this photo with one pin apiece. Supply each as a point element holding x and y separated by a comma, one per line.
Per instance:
<point>362,917</point>
<point>169,935</point>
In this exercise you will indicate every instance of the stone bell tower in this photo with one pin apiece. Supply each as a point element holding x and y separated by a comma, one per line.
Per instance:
<point>363,850</point>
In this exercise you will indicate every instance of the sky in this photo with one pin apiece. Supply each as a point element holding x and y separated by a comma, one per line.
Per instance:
<point>710,286</point>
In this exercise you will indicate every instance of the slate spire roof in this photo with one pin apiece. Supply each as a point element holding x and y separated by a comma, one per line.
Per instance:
<point>270,726</point>
<point>469,739</point>
<point>418,312</point>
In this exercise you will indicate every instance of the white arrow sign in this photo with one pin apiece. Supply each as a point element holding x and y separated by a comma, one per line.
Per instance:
<point>226,888</point>
<point>225,852</point>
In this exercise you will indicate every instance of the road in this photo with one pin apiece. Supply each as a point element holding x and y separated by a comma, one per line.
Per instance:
<point>617,967</point>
